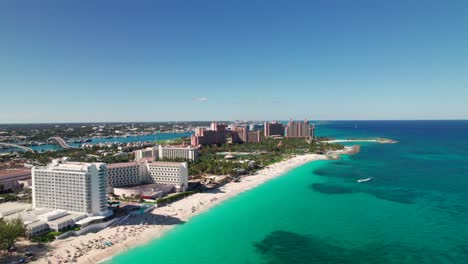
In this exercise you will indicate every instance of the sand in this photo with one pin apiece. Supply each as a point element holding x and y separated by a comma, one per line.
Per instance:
<point>141,229</point>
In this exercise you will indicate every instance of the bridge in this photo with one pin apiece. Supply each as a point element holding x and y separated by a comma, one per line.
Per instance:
<point>17,146</point>
<point>60,142</point>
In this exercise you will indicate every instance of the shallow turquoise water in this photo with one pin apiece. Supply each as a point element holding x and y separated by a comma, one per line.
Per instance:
<point>414,211</point>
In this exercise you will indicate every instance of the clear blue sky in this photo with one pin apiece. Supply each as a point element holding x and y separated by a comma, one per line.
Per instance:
<point>73,61</point>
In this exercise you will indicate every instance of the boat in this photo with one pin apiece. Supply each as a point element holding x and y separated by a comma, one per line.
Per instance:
<point>365,180</point>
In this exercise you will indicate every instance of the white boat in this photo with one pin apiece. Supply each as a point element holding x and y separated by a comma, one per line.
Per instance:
<point>365,180</point>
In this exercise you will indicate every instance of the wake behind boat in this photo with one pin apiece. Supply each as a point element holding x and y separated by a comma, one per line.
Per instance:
<point>365,180</point>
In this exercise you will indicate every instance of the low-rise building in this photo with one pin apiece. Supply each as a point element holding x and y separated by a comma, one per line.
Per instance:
<point>124,174</point>
<point>170,173</point>
<point>179,152</point>
<point>148,153</point>
<point>146,172</point>
<point>146,191</point>
<point>10,178</point>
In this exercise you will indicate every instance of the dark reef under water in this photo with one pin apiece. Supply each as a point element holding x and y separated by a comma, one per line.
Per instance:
<point>288,247</point>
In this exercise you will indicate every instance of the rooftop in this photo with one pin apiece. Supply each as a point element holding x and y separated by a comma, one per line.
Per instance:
<point>144,187</point>
<point>14,173</point>
<point>166,163</point>
<point>121,165</point>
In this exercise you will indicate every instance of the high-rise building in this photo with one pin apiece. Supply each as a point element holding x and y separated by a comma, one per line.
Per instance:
<point>273,129</point>
<point>299,129</point>
<point>72,186</point>
<point>215,135</point>
<point>244,135</point>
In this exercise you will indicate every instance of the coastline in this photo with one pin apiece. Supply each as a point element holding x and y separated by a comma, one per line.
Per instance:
<point>376,140</point>
<point>142,229</point>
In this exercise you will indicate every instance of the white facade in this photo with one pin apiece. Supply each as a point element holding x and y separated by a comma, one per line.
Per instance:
<point>151,153</point>
<point>137,173</point>
<point>71,186</point>
<point>125,174</point>
<point>170,152</point>
<point>170,173</point>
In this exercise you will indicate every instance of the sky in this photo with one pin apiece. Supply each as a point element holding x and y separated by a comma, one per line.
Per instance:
<point>162,60</point>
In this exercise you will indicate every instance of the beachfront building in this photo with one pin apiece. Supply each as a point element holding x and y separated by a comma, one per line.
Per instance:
<point>299,129</point>
<point>169,173</point>
<point>39,221</point>
<point>124,174</point>
<point>72,186</point>
<point>273,129</point>
<point>215,135</point>
<point>147,172</point>
<point>179,152</point>
<point>145,191</point>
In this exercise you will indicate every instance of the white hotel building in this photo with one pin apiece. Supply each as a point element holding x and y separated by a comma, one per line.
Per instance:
<point>137,173</point>
<point>72,186</point>
<point>189,153</point>
<point>169,173</point>
<point>172,152</point>
<point>125,174</point>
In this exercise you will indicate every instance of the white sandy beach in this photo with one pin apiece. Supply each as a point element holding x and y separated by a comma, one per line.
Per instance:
<point>141,229</point>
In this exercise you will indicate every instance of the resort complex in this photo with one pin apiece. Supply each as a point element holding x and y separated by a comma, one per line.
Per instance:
<point>73,196</point>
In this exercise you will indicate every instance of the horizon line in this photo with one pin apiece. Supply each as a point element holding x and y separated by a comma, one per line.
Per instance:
<point>186,121</point>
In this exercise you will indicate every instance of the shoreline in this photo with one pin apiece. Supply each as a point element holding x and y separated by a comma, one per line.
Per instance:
<point>142,229</point>
<point>376,140</point>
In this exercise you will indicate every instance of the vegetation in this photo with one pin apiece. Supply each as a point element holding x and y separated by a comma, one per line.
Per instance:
<point>49,237</point>
<point>10,231</point>
<point>177,141</point>
<point>174,197</point>
<point>262,154</point>
<point>80,154</point>
<point>23,195</point>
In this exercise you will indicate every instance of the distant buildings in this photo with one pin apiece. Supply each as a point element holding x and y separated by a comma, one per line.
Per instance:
<point>299,129</point>
<point>178,152</point>
<point>151,153</point>
<point>273,129</point>
<point>244,135</point>
<point>72,186</point>
<point>14,178</point>
<point>215,135</point>
<point>189,153</point>
<point>218,133</point>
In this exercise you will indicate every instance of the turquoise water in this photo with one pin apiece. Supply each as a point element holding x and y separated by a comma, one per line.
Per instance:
<point>414,211</point>
<point>145,138</point>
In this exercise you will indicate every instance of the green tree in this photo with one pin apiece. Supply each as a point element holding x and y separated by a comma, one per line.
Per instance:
<point>10,231</point>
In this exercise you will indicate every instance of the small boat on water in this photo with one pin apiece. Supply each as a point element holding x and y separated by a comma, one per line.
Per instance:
<point>365,180</point>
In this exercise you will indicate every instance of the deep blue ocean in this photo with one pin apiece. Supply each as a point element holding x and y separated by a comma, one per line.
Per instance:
<point>415,210</point>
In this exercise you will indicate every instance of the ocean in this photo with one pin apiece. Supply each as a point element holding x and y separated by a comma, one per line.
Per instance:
<point>415,210</point>
<point>144,138</point>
